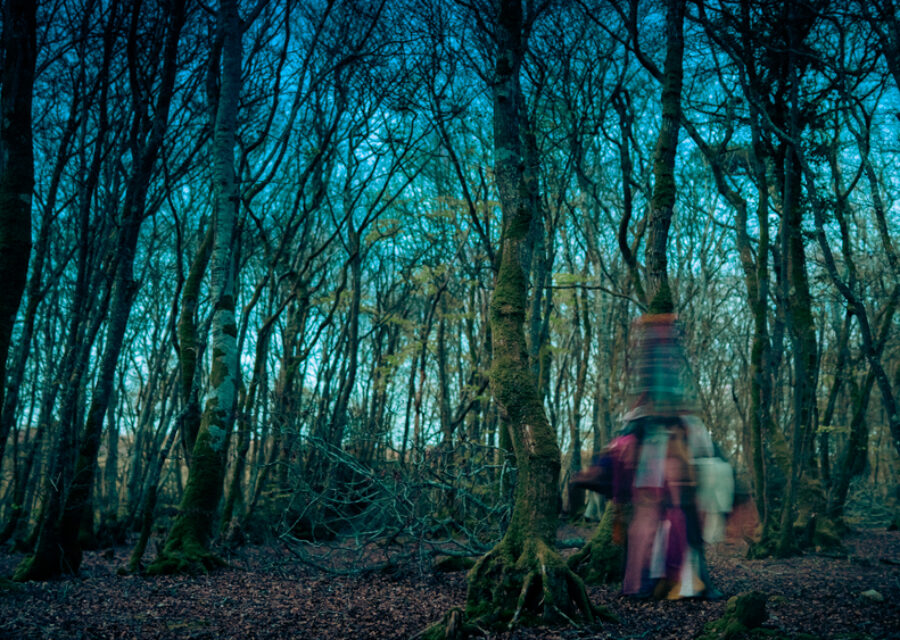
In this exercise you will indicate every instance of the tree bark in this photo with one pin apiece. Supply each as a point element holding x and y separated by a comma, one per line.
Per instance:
<point>523,578</point>
<point>662,202</point>
<point>59,547</point>
<point>190,347</point>
<point>19,42</point>
<point>187,545</point>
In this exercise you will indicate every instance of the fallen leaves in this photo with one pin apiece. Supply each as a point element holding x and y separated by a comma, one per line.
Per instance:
<point>266,593</point>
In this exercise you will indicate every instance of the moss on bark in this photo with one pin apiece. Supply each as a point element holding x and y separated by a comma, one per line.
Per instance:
<point>187,546</point>
<point>523,579</point>
<point>743,613</point>
<point>601,559</point>
<point>533,586</point>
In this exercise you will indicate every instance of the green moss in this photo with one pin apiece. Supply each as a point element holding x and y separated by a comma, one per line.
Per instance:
<point>600,560</point>
<point>764,547</point>
<point>183,555</point>
<point>7,585</point>
<point>24,570</point>
<point>827,535</point>
<point>48,560</point>
<point>453,626</point>
<point>662,301</point>
<point>187,546</point>
<point>748,608</point>
<point>449,564</point>
<point>532,587</point>
<point>510,291</point>
<point>743,613</point>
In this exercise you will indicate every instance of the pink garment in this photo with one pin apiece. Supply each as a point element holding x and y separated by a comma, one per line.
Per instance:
<point>645,522</point>
<point>623,450</point>
<point>676,545</point>
<point>662,482</point>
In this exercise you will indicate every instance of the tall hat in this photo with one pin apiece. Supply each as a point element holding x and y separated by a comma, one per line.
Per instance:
<point>658,379</point>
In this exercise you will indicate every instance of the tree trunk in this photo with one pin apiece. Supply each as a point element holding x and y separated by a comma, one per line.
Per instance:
<point>83,326</point>
<point>111,469</point>
<point>662,202</point>
<point>855,456</point>
<point>234,499</point>
<point>59,547</point>
<point>797,299</point>
<point>581,316</point>
<point>34,294</point>
<point>148,506</point>
<point>187,545</point>
<point>189,345</point>
<point>522,579</point>
<point>16,167</point>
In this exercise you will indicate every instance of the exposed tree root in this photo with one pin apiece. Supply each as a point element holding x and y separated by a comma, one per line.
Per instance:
<point>744,613</point>
<point>50,559</point>
<point>453,626</point>
<point>534,587</point>
<point>182,555</point>
<point>601,559</point>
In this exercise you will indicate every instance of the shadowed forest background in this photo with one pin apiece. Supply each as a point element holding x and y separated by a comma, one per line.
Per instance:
<point>345,288</point>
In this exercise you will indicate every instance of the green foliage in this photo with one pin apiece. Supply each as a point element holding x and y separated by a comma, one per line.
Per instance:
<point>567,279</point>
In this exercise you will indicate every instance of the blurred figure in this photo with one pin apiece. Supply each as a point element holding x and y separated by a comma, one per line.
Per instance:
<point>664,466</point>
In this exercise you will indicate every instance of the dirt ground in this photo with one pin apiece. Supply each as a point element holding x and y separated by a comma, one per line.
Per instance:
<point>266,592</point>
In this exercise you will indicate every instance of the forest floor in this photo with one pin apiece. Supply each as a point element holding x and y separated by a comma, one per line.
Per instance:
<point>266,592</point>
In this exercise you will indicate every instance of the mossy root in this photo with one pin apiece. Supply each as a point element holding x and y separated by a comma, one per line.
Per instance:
<point>536,587</point>
<point>601,559</point>
<point>185,558</point>
<point>743,613</point>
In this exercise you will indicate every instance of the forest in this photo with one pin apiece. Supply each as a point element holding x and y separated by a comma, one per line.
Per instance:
<point>312,310</point>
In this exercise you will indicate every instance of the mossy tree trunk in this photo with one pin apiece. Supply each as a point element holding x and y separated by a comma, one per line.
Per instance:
<point>662,202</point>
<point>796,293</point>
<point>539,257</point>
<point>58,548</point>
<point>187,545</point>
<point>522,579</point>
<point>602,559</point>
<point>189,346</point>
<point>654,293</point>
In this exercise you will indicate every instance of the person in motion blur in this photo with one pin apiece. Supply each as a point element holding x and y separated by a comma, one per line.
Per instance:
<point>671,486</point>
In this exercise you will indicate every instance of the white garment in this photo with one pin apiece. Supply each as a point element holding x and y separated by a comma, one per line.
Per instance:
<point>658,554</point>
<point>700,443</point>
<point>715,495</point>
